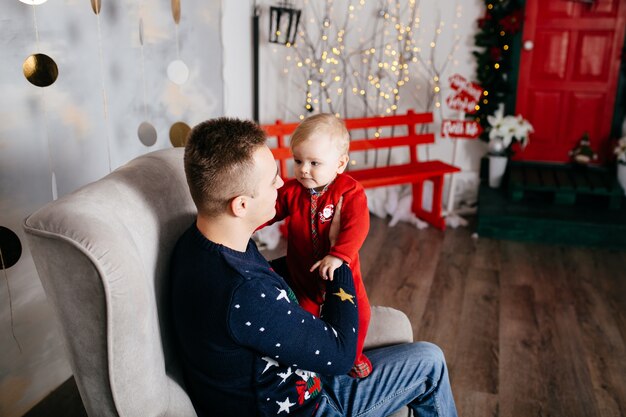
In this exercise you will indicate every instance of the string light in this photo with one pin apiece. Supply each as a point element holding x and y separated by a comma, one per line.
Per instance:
<point>383,63</point>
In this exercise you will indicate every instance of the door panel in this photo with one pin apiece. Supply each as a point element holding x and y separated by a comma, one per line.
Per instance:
<point>556,8</point>
<point>590,104</point>
<point>594,52</point>
<point>551,59</point>
<point>568,80</point>
<point>603,8</point>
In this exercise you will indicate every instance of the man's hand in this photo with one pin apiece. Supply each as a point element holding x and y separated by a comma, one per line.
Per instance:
<point>327,266</point>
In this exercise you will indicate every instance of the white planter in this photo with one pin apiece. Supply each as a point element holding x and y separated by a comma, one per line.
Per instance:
<point>621,176</point>
<point>497,166</point>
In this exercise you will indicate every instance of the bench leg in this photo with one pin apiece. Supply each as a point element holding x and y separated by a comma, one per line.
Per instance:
<point>418,191</point>
<point>434,216</point>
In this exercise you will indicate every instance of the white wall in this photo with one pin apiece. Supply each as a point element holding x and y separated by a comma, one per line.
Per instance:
<point>282,83</point>
<point>67,125</point>
<point>237,49</point>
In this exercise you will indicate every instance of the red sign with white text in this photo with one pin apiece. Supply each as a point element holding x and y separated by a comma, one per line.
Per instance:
<point>466,129</point>
<point>462,103</point>
<point>467,95</point>
<point>461,85</point>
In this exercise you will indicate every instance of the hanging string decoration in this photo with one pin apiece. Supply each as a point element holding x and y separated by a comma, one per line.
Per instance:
<point>10,253</point>
<point>146,132</point>
<point>96,6</point>
<point>499,32</point>
<point>177,70</point>
<point>178,73</point>
<point>41,70</point>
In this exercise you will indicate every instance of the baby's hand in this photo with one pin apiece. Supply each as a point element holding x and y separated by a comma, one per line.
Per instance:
<point>327,266</point>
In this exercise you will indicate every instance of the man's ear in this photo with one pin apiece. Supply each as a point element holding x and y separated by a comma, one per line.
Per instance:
<point>343,163</point>
<point>239,206</point>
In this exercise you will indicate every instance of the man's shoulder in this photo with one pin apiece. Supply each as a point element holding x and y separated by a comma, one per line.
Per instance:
<point>196,258</point>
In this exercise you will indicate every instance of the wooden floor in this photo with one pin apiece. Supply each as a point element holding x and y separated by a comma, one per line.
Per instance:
<point>529,330</point>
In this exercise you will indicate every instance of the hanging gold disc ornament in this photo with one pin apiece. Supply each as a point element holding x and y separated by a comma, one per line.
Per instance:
<point>146,132</point>
<point>176,11</point>
<point>10,248</point>
<point>10,252</point>
<point>178,134</point>
<point>96,5</point>
<point>40,70</point>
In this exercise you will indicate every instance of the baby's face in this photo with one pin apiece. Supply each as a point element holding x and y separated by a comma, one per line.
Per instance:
<point>317,161</point>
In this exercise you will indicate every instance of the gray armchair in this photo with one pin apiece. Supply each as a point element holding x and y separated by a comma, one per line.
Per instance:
<point>102,255</point>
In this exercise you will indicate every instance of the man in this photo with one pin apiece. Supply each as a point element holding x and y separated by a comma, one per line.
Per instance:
<point>247,348</point>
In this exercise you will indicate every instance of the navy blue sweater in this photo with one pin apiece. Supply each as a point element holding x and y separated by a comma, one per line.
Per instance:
<point>247,348</point>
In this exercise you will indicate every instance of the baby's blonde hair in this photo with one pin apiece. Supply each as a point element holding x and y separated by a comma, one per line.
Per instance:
<point>324,123</point>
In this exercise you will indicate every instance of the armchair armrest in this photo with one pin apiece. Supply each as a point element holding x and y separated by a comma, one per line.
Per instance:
<point>388,326</point>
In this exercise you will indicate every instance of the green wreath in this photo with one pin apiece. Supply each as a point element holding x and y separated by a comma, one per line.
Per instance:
<point>497,60</point>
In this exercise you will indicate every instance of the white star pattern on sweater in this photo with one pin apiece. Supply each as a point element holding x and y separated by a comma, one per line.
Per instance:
<point>285,375</point>
<point>284,406</point>
<point>270,362</point>
<point>282,294</point>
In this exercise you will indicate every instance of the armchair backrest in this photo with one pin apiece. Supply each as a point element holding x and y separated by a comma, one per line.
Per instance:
<point>102,255</point>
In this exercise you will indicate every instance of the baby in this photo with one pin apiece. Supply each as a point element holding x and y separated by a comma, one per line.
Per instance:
<point>310,200</point>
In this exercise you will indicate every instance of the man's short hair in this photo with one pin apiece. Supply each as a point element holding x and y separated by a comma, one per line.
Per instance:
<point>323,123</point>
<point>218,162</point>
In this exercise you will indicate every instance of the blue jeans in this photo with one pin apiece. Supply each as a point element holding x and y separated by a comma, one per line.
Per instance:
<point>413,374</point>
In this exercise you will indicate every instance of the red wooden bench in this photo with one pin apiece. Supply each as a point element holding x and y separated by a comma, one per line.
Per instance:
<point>413,172</point>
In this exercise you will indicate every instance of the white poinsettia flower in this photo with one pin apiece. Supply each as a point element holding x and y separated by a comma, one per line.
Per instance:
<point>523,130</point>
<point>509,128</point>
<point>496,119</point>
<point>500,127</point>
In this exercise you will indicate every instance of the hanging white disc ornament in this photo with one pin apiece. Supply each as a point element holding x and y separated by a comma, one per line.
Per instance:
<point>33,2</point>
<point>177,72</point>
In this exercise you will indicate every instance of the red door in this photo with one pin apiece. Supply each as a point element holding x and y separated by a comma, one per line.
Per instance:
<point>568,74</point>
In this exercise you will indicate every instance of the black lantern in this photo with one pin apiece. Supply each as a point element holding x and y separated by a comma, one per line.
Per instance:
<point>284,20</point>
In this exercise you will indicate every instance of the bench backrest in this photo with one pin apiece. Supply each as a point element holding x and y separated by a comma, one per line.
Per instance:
<point>412,139</point>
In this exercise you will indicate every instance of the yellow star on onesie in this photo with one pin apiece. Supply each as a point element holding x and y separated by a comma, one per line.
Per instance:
<point>344,295</point>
